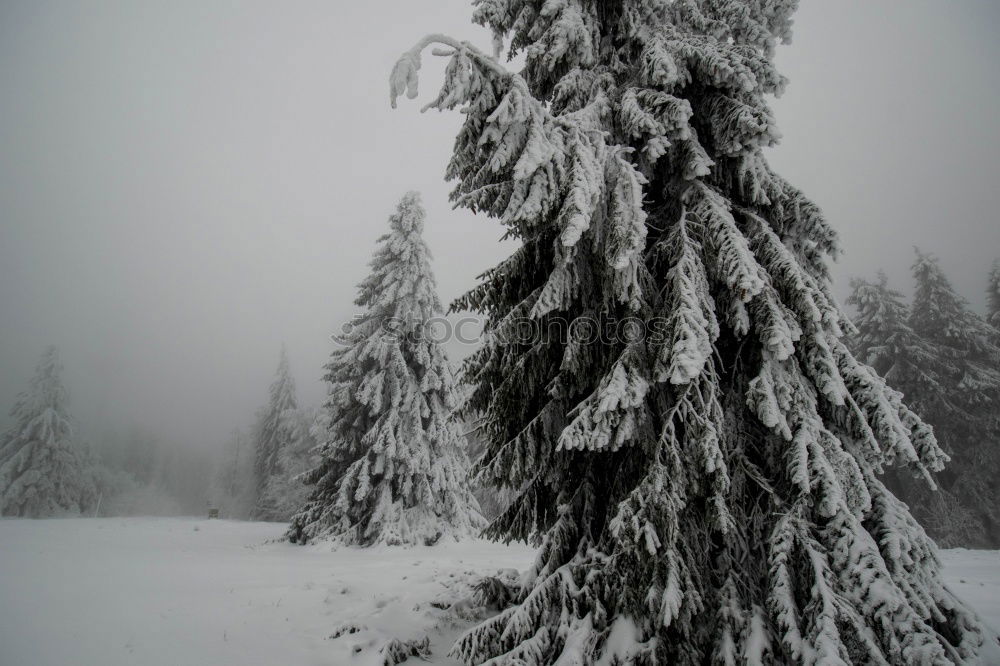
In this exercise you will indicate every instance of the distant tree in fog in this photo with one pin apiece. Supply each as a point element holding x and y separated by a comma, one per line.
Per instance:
<point>285,491</point>
<point>142,473</point>
<point>965,406</point>
<point>913,366</point>
<point>233,487</point>
<point>886,341</point>
<point>274,432</point>
<point>942,357</point>
<point>137,454</point>
<point>183,473</point>
<point>43,472</point>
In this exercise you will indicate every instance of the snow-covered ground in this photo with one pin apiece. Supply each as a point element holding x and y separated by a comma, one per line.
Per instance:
<point>174,591</point>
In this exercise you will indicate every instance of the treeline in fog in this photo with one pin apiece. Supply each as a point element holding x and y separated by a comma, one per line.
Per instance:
<point>945,360</point>
<point>935,349</point>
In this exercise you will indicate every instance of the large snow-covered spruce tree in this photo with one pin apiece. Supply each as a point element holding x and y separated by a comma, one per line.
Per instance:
<point>707,493</point>
<point>274,432</point>
<point>42,470</point>
<point>393,467</point>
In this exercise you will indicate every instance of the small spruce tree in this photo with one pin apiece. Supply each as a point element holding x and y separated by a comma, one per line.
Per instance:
<point>273,433</point>
<point>393,467</point>
<point>708,492</point>
<point>43,472</point>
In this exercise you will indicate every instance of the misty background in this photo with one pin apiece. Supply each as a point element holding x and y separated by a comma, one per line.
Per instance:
<point>185,186</point>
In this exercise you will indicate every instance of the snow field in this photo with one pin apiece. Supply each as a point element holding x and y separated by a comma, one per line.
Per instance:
<point>168,591</point>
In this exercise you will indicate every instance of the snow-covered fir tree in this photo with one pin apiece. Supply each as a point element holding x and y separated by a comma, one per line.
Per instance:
<point>709,492</point>
<point>273,432</point>
<point>43,471</point>
<point>392,463</point>
<point>993,295</point>
<point>963,405</point>
<point>924,375</point>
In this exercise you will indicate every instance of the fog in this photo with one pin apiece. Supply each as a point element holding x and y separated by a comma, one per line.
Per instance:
<point>185,186</point>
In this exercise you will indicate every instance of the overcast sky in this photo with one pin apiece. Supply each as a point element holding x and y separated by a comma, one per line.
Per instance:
<point>185,185</point>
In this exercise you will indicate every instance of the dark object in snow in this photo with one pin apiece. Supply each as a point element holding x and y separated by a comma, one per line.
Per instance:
<point>213,513</point>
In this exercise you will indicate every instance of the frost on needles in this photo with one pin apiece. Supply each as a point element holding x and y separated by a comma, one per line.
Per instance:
<point>393,467</point>
<point>711,493</point>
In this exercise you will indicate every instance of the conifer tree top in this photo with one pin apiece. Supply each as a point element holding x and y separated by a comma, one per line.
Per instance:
<point>46,385</point>
<point>283,387</point>
<point>401,284</point>
<point>273,433</point>
<point>940,313</point>
<point>45,399</point>
<point>882,317</point>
